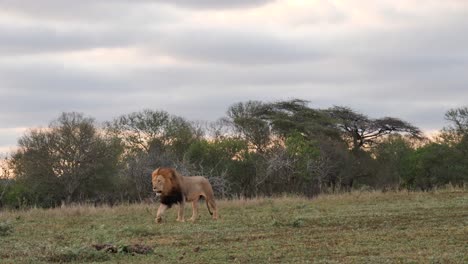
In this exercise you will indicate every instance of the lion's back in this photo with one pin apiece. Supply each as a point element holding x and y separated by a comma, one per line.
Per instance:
<point>196,185</point>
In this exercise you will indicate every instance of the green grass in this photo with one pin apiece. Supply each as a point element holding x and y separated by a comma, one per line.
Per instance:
<point>368,227</point>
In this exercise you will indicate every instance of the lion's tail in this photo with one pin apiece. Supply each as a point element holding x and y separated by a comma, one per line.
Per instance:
<point>208,206</point>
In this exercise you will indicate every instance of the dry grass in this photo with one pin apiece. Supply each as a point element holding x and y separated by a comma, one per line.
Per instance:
<point>357,227</point>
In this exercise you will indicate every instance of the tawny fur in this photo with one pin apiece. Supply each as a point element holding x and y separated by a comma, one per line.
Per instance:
<point>174,188</point>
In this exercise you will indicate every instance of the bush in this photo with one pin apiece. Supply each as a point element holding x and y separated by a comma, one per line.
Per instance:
<point>5,228</point>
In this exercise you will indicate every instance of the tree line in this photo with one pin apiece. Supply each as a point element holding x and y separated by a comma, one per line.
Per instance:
<point>256,149</point>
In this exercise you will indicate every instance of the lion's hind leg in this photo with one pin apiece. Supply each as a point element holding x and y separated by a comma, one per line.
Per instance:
<point>180,214</point>
<point>194,210</point>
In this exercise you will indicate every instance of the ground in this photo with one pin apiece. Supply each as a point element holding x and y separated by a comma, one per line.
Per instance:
<point>358,227</point>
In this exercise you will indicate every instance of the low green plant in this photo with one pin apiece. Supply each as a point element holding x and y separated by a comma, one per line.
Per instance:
<point>76,254</point>
<point>6,228</point>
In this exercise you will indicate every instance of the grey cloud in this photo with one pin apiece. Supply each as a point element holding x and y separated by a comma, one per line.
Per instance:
<point>30,39</point>
<point>34,40</point>
<point>237,47</point>
<point>56,78</point>
<point>40,107</point>
<point>203,45</point>
<point>424,60</point>
<point>423,41</point>
<point>103,10</point>
<point>87,11</point>
<point>53,79</point>
<point>41,91</point>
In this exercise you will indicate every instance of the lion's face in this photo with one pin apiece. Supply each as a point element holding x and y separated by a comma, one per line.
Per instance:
<point>166,184</point>
<point>163,181</point>
<point>159,184</point>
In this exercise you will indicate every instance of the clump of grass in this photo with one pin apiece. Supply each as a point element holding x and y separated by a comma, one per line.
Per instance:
<point>126,249</point>
<point>276,223</point>
<point>297,222</point>
<point>76,255</point>
<point>6,228</point>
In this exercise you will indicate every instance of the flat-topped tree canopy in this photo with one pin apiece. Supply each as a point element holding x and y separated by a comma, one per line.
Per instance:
<point>363,131</point>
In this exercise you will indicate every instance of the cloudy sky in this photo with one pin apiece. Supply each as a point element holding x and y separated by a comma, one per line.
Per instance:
<point>194,58</point>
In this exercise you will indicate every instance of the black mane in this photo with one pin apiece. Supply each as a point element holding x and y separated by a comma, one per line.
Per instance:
<point>175,196</point>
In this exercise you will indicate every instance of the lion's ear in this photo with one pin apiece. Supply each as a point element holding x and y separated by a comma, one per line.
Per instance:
<point>156,171</point>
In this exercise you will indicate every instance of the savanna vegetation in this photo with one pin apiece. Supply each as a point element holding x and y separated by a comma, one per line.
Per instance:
<point>257,149</point>
<point>351,227</point>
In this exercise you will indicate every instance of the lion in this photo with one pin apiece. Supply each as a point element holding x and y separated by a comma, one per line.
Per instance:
<point>176,189</point>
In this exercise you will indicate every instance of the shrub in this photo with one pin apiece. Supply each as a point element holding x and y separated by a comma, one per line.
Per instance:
<point>5,228</point>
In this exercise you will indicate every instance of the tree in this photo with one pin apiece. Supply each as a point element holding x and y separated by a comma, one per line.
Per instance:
<point>332,168</point>
<point>390,155</point>
<point>430,166</point>
<point>456,134</point>
<point>33,167</point>
<point>362,131</point>
<point>454,138</point>
<point>247,122</point>
<point>216,159</point>
<point>139,130</point>
<point>69,160</point>
<point>180,134</point>
<point>6,178</point>
<point>303,152</point>
<point>459,119</point>
<point>295,116</point>
<point>142,131</point>
<point>152,139</point>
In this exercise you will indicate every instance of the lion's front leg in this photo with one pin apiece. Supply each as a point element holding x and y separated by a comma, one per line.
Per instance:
<point>180,214</point>
<point>161,209</point>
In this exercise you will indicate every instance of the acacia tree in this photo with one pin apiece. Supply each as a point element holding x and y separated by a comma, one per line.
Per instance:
<point>363,131</point>
<point>312,141</point>
<point>295,116</point>
<point>285,136</point>
<point>247,122</point>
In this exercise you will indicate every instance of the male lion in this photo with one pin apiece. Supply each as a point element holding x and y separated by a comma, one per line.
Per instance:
<point>174,188</point>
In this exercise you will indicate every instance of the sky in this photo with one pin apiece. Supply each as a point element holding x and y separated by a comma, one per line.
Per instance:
<point>105,58</point>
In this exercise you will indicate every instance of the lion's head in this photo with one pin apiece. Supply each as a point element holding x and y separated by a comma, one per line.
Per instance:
<point>166,184</point>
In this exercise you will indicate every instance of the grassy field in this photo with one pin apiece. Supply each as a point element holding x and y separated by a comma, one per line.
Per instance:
<point>349,228</point>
